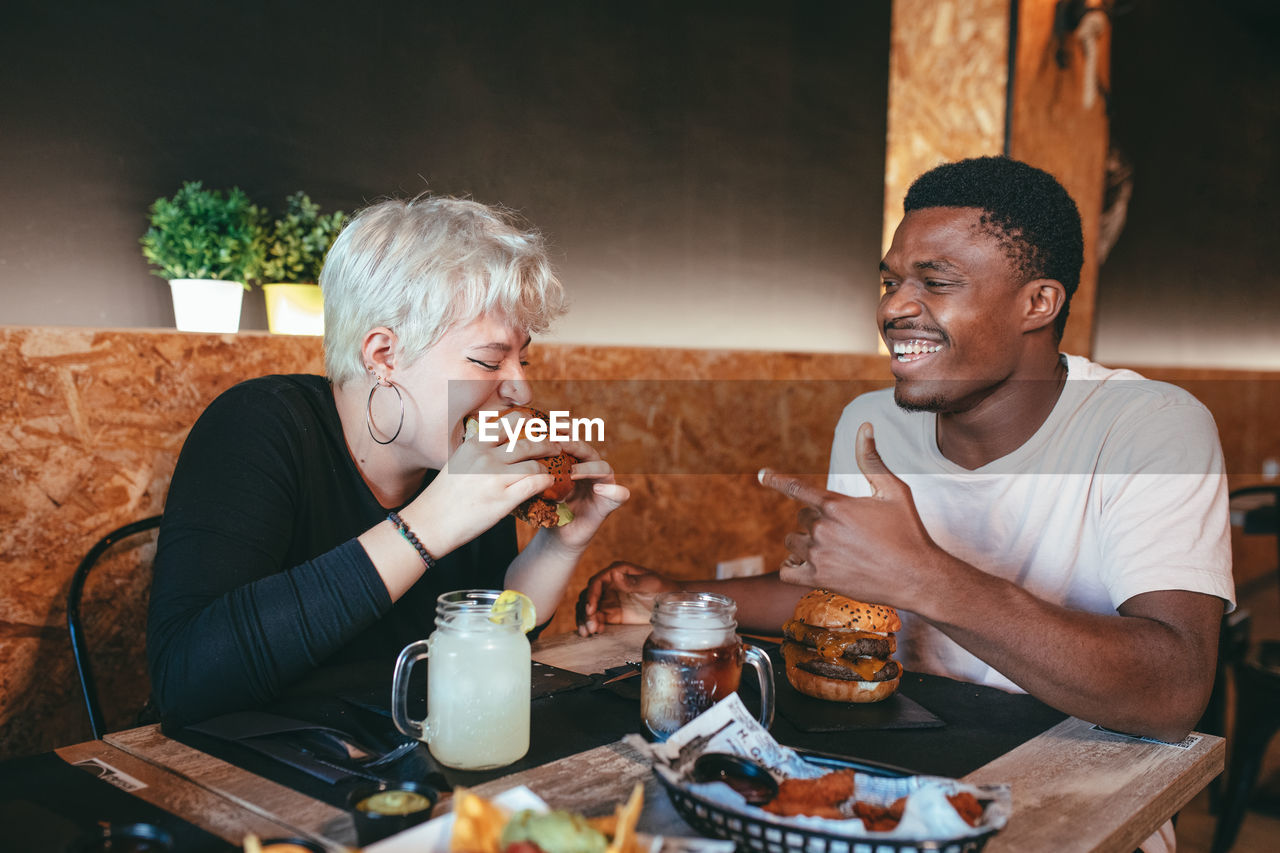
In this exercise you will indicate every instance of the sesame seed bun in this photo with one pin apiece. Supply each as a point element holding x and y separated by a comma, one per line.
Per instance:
<point>825,609</point>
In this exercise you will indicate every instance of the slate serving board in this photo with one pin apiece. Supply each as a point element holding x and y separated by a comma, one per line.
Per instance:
<point>819,715</point>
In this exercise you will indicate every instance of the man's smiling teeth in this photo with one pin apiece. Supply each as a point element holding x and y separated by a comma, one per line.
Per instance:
<point>902,350</point>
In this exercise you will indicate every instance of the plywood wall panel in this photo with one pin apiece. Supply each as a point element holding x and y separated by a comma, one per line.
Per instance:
<point>948,69</point>
<point>91,422</point>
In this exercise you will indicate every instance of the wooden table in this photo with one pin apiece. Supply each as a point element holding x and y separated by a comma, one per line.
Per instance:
<point>1074,788</point>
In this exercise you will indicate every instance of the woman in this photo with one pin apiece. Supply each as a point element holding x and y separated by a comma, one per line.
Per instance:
<point>315,520</point>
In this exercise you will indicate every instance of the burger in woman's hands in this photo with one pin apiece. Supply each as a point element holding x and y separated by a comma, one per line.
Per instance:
<point>548,508</point>
<point>838,648</point>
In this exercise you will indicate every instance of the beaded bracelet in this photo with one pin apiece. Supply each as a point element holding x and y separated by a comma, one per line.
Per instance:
<point>411,539</point>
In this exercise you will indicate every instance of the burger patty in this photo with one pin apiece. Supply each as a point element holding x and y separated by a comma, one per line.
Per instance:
<point>840,672</point>
<point>537,511</point>
<point>858,647</point>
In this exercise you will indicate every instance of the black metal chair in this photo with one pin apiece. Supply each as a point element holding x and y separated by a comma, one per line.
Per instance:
<point>79,643</point>
<point>1233,644</point>
<point>1256,510</point>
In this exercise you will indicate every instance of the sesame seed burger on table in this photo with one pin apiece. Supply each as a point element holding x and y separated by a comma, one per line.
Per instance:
<point>837,648</point>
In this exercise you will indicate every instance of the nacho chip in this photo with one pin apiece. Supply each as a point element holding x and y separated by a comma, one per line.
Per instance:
<point>624,836</point>
<point>477,824</point>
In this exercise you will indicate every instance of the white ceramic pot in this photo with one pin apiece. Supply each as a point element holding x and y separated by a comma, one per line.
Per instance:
<point>205,305</point>
<point>294,309</point>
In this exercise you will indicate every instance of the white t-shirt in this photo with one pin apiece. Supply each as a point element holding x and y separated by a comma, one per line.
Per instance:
<point>1121,491</point>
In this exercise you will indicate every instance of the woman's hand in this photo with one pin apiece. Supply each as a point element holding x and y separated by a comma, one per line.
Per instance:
<point>594,496</point>
<point>479,485</point>
<point>543,569</point>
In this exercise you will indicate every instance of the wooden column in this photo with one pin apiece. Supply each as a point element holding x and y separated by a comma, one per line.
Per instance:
<point>953,93</point>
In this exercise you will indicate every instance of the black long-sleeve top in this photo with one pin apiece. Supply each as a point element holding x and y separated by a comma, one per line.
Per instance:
<point>258,577</point>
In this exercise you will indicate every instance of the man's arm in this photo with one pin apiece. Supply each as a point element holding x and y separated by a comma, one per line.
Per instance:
<point>764,601</point>
<point>1147,670</point>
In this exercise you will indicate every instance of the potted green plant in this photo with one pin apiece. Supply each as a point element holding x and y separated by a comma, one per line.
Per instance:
<point>294,251</point>
<point>207,243</point>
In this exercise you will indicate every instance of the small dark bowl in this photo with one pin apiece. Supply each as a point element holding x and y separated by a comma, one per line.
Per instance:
<point>749,778</point>
<point>128,838</point>
<point>372,825</point>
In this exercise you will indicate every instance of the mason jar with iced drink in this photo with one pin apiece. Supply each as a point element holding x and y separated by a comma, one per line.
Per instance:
<point>693,658</point>
<point>478,683</point>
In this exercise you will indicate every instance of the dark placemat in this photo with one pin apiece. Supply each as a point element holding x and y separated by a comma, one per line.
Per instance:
<point>818,715</point>
<point>50,806</point>
<point>560,725</point>
<point>416,767</point>
<point>980,724</point>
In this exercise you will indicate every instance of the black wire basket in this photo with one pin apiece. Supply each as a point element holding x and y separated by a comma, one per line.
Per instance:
<point>760,835</point>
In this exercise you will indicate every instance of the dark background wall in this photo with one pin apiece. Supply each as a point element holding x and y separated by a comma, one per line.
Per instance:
<point>709,173</point>
<point>1196,106</point>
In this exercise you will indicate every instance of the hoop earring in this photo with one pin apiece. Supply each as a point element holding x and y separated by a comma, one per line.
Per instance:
<point>368,410</point>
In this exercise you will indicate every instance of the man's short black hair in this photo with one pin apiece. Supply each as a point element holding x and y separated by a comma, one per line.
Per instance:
<point>1025,208</point>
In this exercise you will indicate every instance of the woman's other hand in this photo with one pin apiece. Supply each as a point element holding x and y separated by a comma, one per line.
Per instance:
<point>609,592</point>
<point>594,496</point>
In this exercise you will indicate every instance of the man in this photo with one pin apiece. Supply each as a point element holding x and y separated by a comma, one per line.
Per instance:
<point>1045,524</point>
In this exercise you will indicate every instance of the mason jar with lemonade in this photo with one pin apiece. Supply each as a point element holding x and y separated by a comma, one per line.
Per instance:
<point>478,680</point>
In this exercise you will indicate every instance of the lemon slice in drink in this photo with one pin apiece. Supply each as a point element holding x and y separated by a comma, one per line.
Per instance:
<point>509,600</point>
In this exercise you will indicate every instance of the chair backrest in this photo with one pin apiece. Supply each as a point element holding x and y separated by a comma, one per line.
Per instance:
<point>1255,510</point>
<point>75,628</point>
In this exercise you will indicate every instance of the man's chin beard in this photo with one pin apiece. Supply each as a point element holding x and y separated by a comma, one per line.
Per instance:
<point>936,403</point>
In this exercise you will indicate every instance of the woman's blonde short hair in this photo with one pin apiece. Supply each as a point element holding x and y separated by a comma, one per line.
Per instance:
<point>420,267</point>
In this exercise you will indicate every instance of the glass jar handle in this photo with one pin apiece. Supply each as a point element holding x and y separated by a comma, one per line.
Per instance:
<point>758,660</point>
<point>409,655</point>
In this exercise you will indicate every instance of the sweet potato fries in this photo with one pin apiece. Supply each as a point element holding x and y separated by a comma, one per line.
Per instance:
<point>833,797</point>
